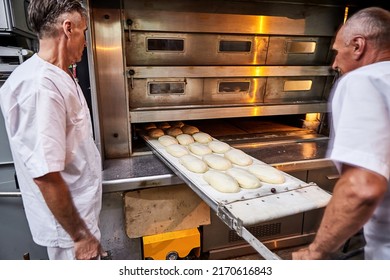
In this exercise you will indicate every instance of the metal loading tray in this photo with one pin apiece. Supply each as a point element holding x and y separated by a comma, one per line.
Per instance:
<point>249,206</point>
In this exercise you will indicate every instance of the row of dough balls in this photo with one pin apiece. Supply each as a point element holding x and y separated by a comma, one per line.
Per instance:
<point>172,129</point>
<point>236,178</point>
<point>203,145</point>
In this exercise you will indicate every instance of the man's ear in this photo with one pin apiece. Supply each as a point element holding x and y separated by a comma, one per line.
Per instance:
<point>359,46</point>
<point>67,27</point>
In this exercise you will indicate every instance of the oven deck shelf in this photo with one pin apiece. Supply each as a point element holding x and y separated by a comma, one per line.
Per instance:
<point>249,206</point>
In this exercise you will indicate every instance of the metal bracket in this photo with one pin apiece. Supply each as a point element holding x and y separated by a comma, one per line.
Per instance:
<point>232,222</point>
<point>237,225</point>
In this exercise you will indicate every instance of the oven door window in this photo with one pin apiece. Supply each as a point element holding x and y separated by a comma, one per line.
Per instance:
<point>297,85</point>
<point>165,44</point>
<point>166,88</point>
<point>230,87</point>
<point>235,46</point>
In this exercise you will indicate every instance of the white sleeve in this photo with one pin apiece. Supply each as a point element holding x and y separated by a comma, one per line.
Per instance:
<point>362,125</point>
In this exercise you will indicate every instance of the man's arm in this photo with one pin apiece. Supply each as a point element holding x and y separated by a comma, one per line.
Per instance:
<point>58,199</point>
<point>355,197</point>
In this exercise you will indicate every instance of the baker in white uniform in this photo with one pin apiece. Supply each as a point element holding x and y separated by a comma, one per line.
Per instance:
<point>49,128</point>
<point>361,139</point>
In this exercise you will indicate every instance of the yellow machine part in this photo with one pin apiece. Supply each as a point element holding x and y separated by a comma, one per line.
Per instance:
<point>170,244</point>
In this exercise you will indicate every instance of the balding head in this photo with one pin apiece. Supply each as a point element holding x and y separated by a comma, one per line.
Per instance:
<point>364,39</point>
<point>371,23</point>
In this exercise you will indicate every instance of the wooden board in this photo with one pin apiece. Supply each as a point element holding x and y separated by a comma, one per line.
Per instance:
<point>163,209</point>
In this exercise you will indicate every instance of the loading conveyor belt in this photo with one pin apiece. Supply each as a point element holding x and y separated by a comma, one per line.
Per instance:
<point>249,206</point>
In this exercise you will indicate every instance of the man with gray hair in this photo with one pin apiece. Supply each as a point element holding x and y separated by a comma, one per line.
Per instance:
<point>48,124</point>
<point>360,144</point>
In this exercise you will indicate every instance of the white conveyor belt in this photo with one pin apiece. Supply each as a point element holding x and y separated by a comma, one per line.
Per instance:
<point>250,206</point>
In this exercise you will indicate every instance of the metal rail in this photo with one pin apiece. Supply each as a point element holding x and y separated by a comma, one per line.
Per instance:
<point>10,194</point>
<point>147,72</point>
<point>237,225</point>
<point>202,113</point>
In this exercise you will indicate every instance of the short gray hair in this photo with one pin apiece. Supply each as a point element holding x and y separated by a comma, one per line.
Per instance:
<point>371,23</point>
<point>43,15</point>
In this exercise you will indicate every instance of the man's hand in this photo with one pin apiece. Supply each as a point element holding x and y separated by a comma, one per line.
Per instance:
<point>88,248</point>
<point>309,254</point>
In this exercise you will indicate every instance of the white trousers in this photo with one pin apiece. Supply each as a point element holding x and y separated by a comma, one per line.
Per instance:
<point>57,253</point>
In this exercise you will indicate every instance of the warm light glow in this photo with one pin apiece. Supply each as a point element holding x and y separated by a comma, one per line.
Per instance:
<point>259,71</point>
<point>261,25</point>
<point>254,94</point>
<point>309,150</point>
<point>312,117</point>
<point>346,14</point>
<point>256,111</point>
<point>108,48</point>
<point>255,51</point>
<point>312,121</point>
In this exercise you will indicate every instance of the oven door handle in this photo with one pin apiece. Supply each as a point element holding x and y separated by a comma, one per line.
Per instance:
<point>333,177</point>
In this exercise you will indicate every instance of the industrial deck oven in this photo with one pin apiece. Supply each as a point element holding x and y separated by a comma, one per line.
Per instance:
<point>253,74</point>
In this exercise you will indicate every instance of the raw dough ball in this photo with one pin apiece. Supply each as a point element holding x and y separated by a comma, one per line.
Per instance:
<point>155,132</point>
<point>194,164</point>
<point>185,139</point>
<point>202,137</point>
<point>174,131</point>
<point>217,162</point>
<point>238,157</point>
<point>200,149</point>
<point>221,181</point>
<point>219,147</point>
<point>177,150</point>
<point>246,179</point>
<point>189,129</point>
<point>267,173</point>
<point>167,140</point>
